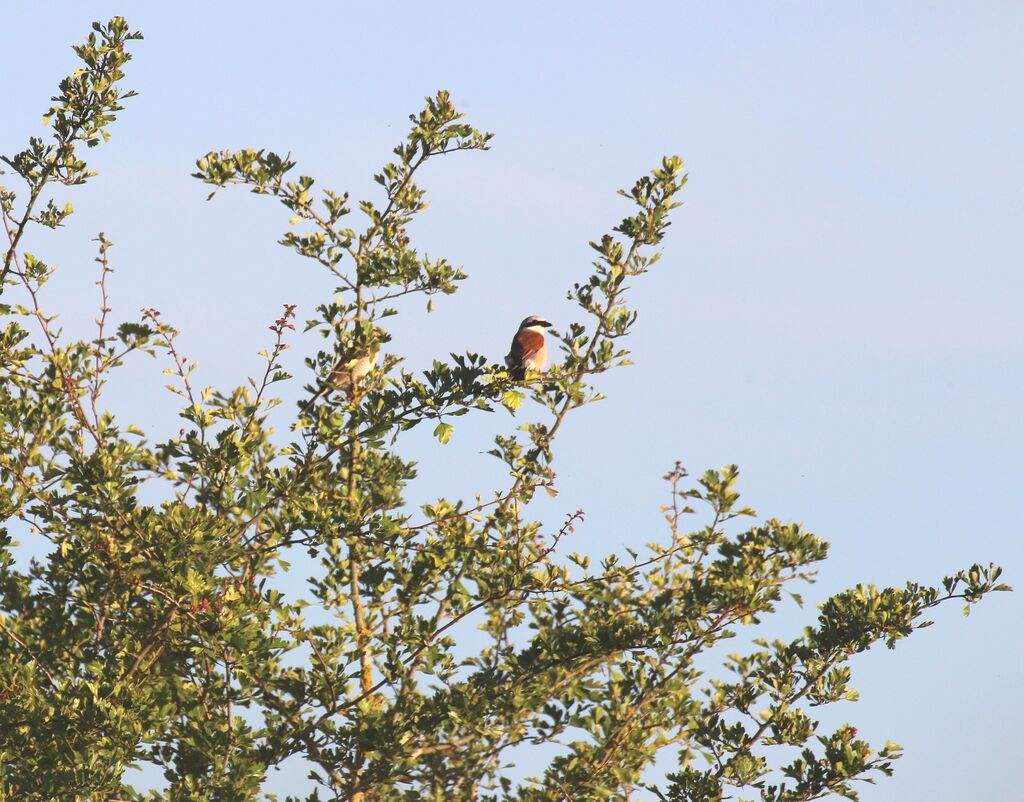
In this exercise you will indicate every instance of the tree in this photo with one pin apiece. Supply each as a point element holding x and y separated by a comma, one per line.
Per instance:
<point>151,631</point>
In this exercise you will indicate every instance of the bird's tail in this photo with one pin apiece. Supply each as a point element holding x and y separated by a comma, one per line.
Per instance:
<point>305,408</point>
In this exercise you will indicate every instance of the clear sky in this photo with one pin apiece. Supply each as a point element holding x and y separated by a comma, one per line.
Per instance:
<point>838,309</point>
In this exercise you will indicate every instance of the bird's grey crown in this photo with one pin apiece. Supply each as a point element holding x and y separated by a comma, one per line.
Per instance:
<point>534,320</point>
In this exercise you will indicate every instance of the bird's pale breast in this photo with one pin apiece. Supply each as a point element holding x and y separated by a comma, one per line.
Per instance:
<point>532,351</point>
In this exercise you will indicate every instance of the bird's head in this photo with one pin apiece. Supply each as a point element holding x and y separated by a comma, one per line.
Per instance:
<point>534,321</point>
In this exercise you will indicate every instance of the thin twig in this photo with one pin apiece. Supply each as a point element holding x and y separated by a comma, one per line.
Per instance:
<point>32,655</point>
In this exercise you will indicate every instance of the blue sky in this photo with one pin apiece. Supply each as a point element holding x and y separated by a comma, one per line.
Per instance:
<point>838,308</point>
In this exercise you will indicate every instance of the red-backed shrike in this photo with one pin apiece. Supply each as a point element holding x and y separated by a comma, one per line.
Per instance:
<point>528,351</point>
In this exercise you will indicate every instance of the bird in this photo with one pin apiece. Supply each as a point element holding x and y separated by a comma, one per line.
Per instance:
<point>528,351</point>
<point>345,376</point>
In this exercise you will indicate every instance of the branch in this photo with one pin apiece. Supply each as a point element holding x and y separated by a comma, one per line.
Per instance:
<point>32,655</point>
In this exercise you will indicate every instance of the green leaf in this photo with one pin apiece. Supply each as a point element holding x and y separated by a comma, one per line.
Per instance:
<point>443,432</point>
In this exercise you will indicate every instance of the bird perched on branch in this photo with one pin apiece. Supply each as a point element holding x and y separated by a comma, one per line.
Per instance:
<point>528,351</point>
<point>345,376</point>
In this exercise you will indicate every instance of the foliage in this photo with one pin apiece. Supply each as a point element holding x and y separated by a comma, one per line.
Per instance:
<point>151,631</point>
